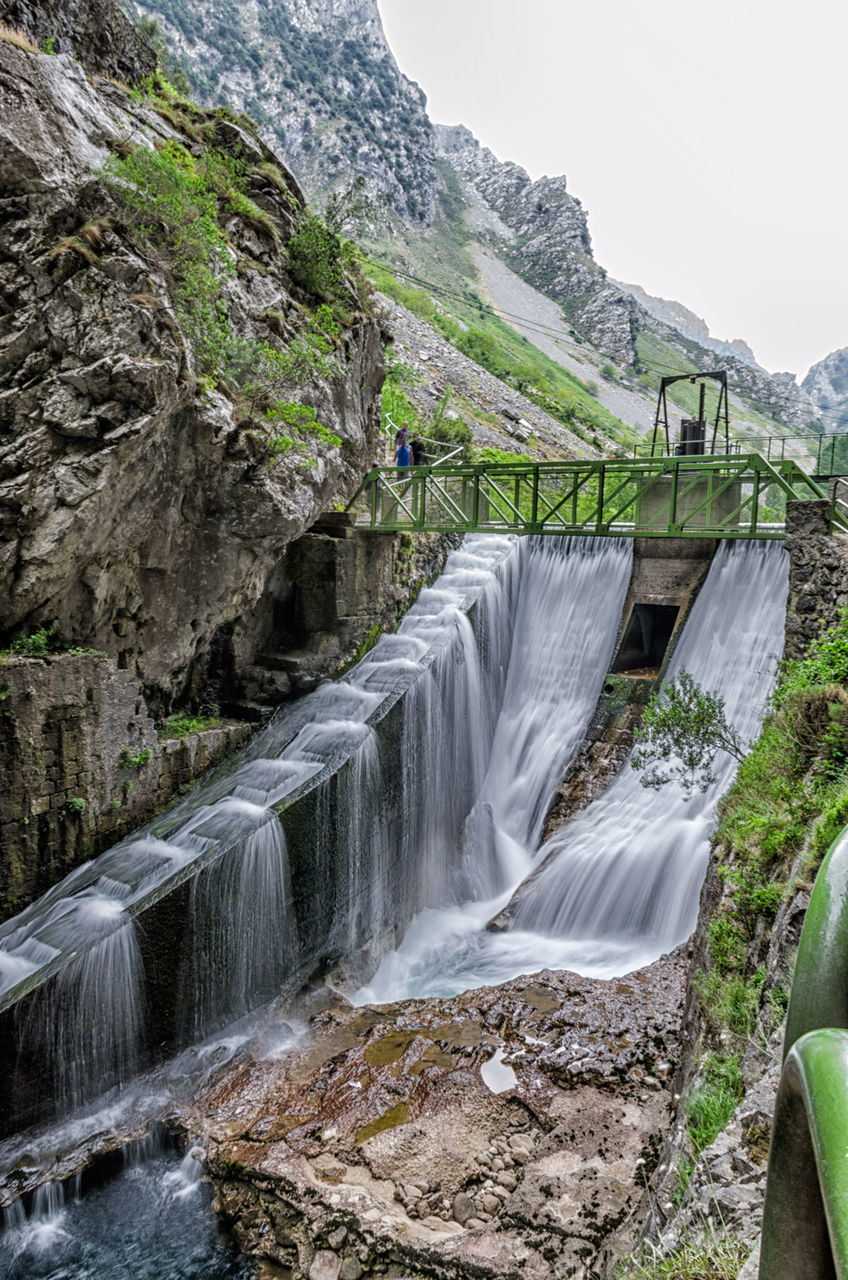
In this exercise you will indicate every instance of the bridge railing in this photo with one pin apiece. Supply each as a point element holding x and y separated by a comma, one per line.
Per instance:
<point>805,1218</point>
<point>821,455</point>
<point>730,496</point>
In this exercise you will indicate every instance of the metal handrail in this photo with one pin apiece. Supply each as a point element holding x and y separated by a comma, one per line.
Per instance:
<point>391,426</point>
<point>830,452</point>
<point>805,1217</point>
<point>730,496</point>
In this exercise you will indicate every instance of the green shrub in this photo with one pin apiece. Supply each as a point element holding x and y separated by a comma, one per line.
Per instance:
<point>38,643</point>
<point>184,722</point>
<point>315,259</point>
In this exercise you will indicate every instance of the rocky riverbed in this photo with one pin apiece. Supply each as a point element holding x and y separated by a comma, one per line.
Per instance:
<point>508,1131</point>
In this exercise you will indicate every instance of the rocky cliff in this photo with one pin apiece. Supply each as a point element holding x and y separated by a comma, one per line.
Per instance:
<point>542,232</point>
<point>827,385</point>
<point>145,500</point>
<point>320,78</point>
<point>95,31</point>
<point>688,324</point>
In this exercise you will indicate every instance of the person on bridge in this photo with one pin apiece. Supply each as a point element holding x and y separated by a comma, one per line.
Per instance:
<point>403,453</point>
<point>419,457</point>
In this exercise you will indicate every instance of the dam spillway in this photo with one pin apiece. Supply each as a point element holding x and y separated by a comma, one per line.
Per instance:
<point>418,784</point>
<point>619,884</point>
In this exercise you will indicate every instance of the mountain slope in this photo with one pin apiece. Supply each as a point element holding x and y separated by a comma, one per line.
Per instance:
<point>321,79</point>
<point>827,385</point>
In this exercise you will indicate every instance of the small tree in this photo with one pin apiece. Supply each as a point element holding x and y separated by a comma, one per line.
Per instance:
<point>682,731</point>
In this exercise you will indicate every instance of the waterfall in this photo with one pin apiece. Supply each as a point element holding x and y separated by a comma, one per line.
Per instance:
<point>80,1034</point>
<point>70,968</point>
<point>409,795</point>
<point>242,928</point>
<point>623,878</point>
<point>567,612</point>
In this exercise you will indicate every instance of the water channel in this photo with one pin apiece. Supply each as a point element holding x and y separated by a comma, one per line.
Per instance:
<point>429,771</point>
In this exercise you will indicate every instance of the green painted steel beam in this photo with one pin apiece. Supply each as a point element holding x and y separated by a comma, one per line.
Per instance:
<point>695,497</point>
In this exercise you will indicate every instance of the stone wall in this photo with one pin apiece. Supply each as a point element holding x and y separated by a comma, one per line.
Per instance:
<point>81,765</point>
<point>818,574</point>
<point>337,589</point>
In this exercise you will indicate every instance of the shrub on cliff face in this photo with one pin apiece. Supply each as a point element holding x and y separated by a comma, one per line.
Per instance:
<point>315,259</point>
<point>790,798</point>
<point>175,204</point>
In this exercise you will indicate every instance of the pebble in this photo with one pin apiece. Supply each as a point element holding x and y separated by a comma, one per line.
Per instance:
<point>463,1208</point>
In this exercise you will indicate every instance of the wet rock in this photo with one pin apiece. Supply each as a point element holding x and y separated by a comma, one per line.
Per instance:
<point>326,1265</point>
<point>420,1148</point>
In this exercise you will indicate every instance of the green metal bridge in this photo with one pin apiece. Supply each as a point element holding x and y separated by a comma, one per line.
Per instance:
<point>730,495</point>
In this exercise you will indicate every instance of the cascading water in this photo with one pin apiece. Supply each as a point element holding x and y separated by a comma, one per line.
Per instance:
<point>152,1221</point>
<point>443,812</point>
<point>244,895</point>
<point>70,962</point>
<point>566,619</point>
<point>620,884</point>
<point>624,877</point>
<point>81,1033</point>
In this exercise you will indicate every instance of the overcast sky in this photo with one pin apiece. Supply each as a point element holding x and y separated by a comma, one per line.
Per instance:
<point>707,142</point>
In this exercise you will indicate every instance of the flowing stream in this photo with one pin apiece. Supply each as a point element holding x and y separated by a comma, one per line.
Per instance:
<point>619,884</point>
<point>430,769</point>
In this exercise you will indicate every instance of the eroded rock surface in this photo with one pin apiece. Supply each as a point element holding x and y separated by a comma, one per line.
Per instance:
<point>380,1147</point>
<point>135,507</point>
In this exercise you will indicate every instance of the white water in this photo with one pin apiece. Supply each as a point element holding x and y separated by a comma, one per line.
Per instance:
<point>566,619</point>
<point>80,1032</point>
<point>491,714</point>
<point>622,879</point>
<point>154,1222</point>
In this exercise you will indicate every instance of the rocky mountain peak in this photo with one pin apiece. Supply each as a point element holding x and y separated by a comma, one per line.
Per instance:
<point>526,206</point>
<point>320,79</point>
<point>827,386</point>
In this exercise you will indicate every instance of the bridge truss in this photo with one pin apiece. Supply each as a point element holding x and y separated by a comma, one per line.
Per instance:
<point>727,496</point>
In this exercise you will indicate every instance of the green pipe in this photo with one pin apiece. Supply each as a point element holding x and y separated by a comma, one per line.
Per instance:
<point>805,1218</point>
<point>820,985</point>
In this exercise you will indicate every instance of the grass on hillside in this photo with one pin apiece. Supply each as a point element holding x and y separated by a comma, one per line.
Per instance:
<point>657,358</point>
<point>711,1260</point>
<point>456,309</point>
<point>481,336</point>
<point>789,798</point>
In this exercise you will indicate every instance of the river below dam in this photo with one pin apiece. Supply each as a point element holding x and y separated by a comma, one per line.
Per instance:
<point>425,821</point>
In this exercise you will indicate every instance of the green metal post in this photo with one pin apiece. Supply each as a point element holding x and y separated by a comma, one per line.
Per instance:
<point>672,509</point>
